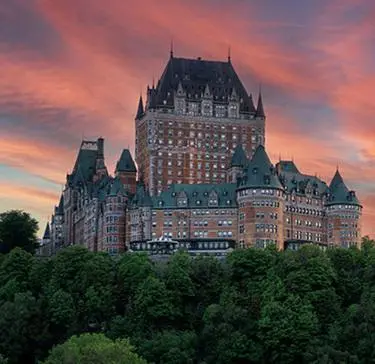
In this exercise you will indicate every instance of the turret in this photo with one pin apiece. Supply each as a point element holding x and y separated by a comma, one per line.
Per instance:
<point>126,171</point>
<point>343,214</point>
<point>260,197</point>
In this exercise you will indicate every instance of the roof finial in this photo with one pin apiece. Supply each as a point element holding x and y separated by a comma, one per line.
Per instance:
<point>229,58</point>
<point>171,51</point>
<point>153,81</point>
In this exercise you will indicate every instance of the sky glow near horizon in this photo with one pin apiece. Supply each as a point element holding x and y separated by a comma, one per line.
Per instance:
<point>75,68</point>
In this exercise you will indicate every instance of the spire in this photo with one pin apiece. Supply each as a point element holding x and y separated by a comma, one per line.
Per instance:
<point>229,58</point>
<point>140,110</point>
<point>171,51</point>
<point>260,110</point>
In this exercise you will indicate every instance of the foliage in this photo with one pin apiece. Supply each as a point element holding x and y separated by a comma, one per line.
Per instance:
<point>18,229</point>
<point>94,349</point>
<point>257,306</point>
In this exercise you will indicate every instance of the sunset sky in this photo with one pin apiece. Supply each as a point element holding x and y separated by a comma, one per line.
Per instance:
<point>75,68</point>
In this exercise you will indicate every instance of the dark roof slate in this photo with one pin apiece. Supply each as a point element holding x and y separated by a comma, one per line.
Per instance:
<point>194,76</point>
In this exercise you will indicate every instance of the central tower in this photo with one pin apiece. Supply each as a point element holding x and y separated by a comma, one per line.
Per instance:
<point>191,123</point>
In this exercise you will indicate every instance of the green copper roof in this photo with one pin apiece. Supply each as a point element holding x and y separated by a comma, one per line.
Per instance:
<point>339,192</point>
<point>287,166</point>
<point>126,162</point>
<point>239,157</point>
<point>142,197</point>
<point>117,187</point>
<point>197,196</point>
<point>260,173</point>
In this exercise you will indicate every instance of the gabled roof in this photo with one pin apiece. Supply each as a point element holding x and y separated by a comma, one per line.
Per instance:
<point>195,75</point>
<point>260,173</point>
<point>198,196</point>
<point>126,162</point>
<point>239,158</point>
<point>339,192</point>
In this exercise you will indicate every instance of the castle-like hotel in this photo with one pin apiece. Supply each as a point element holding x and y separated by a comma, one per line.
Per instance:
<point>204,178</point>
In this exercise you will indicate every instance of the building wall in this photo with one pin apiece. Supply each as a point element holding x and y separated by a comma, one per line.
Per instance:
<point>173,148</point>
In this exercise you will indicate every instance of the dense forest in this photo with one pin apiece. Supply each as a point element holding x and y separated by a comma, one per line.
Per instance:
<point>257,306</point>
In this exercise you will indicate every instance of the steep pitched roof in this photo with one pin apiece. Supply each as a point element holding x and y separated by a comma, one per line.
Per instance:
<point>85,165</point>
<point>126,162</point>
<point>239,158</point>
<point>339,192</point>
<point>47,232</point>
<point>195,75</point>
<point>260,173</point>
<point>140,110</point>
<point>198,196</point>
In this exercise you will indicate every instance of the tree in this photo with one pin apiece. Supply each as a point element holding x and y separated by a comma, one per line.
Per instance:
<point>18,228</point>
<point>94,349</point>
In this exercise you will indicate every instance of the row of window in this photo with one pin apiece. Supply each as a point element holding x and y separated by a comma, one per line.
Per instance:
<point>266,228</point>
<point>262,215</point>
<point>207,126</point>
<point>309,223</point>
<point>303,210</point>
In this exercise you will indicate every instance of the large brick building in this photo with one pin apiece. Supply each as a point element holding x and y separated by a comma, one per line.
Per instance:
<point>204,177</point>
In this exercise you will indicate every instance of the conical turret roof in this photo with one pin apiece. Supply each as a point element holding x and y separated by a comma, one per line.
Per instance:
<point>339,192</point>
<point>126,162</point>
<point>260,173</point>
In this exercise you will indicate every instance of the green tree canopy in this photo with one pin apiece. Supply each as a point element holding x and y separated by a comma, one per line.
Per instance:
<point>18,229</point>
<point>94,349</point>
